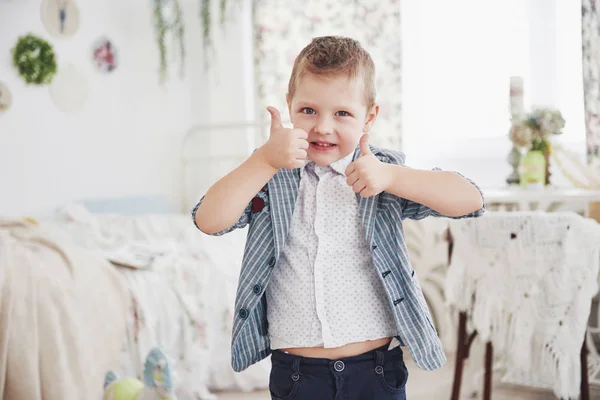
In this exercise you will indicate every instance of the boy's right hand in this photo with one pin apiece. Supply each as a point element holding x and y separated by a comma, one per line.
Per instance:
<point>286,148</point>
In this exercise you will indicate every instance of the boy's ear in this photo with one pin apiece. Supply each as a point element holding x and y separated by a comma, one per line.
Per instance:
<point>288,100</point>
<point>371,117</point>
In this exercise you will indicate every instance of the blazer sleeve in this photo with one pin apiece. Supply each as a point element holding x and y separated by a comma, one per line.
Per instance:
<point>241,223</point>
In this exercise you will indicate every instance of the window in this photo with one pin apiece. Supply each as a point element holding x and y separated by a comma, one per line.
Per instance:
<point>458,58</point>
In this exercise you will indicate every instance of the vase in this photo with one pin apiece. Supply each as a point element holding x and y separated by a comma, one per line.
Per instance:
<point>514,159</point>
<point>532,170</point>
<point>547,167</point>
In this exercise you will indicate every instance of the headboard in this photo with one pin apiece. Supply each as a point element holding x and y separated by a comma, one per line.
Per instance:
<point>210,151</point>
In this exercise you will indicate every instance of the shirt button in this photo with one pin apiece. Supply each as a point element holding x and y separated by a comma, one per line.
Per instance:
<point>257,288</point>
<point>243,313</point>
<point>379,369</point>
<point>339,366</point>
<point>272,262</point>
<point>295,376</point>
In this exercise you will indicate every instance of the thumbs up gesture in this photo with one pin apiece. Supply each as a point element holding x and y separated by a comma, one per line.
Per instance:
<point>367,175</point>
<point>286,148</point>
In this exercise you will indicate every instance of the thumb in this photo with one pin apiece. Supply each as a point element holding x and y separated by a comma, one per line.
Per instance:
<point>275,117</point>
<point>364,145</point>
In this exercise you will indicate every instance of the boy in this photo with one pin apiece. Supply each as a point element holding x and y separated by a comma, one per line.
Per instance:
<point>326,286</point>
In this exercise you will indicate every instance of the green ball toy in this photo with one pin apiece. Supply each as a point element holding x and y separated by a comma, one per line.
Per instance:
<point>157,384</point>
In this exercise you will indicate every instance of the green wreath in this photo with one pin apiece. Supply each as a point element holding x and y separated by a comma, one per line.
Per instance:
<point>34,59</point>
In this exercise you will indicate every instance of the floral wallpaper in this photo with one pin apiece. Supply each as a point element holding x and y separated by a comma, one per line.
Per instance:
<point>591,78</point>
<point>283,28</point>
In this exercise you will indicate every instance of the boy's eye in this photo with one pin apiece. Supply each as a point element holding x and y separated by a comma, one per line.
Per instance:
<point>308,110</point>
<point>343,113</point>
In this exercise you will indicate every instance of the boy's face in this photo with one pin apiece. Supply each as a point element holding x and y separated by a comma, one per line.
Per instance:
<point>333,112</point>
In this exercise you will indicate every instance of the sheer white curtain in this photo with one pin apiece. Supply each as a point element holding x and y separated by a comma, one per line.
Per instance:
<point>458,57</point>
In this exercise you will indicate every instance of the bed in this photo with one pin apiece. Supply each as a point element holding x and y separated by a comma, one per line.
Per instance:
<point>98,283</point>
<point>111,287</point>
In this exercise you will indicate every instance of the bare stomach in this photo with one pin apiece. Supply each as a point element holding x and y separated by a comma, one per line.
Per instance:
<point>335,353</point>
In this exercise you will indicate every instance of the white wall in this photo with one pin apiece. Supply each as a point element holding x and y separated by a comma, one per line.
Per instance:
<point>127,140</point>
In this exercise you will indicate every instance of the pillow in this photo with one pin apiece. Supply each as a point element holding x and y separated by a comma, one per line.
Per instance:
<point>128,205</point>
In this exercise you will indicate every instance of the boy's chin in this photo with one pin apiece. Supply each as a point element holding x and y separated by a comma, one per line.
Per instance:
<point>323,160</point>
<point>323,163</point>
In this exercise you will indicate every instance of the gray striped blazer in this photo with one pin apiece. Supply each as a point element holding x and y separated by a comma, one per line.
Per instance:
<point>269,215</point>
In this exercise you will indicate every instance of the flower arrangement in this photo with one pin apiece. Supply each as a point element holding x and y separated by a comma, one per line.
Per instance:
<point>533,131</point>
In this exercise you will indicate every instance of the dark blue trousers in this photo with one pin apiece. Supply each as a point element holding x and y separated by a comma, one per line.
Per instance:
<point>376,375</point>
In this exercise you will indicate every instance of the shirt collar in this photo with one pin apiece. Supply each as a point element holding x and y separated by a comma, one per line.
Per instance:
<point>338,166</point>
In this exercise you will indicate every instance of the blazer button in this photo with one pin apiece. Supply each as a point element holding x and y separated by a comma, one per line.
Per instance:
<point>398,301</point>
<point>257,288</point>
<point>243,313</point>
<point>272,262</point>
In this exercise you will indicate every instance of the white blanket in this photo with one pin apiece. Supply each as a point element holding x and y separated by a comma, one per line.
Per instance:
<point>62,316</point>
<point>527,280</point>
<point>182,301</point>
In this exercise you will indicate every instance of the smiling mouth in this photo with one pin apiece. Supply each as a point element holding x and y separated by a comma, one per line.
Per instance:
<point>322,144</point>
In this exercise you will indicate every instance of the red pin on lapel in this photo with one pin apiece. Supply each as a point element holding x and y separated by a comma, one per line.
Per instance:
<point>257,204</point>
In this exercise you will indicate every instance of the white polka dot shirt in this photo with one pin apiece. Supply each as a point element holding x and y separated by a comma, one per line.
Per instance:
<point>325,291</point>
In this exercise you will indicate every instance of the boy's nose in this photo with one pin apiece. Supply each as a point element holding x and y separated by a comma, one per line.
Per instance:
<point>324,126</point>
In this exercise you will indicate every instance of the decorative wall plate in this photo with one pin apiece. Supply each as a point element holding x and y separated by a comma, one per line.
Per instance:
<point>5,97</point>
<point>105,55</point>
<point>60,17</point>
<point>69,90</point>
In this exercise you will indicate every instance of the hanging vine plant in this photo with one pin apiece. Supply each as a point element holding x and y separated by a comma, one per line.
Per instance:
<point>206,25</point>
<point>34,59</point>
<point>168,18</point>
<point>206,18</point>
<point>223,10</point>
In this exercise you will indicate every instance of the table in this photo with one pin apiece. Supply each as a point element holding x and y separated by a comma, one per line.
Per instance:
<point>513,198</point>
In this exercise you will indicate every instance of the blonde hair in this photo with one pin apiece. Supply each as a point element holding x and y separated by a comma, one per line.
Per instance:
<point>333,56</point>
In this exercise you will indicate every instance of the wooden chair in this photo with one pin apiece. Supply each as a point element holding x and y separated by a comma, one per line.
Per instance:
<point>463,345</point>
<point>568,221</point>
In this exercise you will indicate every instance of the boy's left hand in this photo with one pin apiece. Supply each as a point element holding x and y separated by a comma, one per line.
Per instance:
<point>367,175</point>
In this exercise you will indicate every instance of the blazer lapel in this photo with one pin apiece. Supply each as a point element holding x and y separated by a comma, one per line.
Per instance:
<point>283,191</point>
